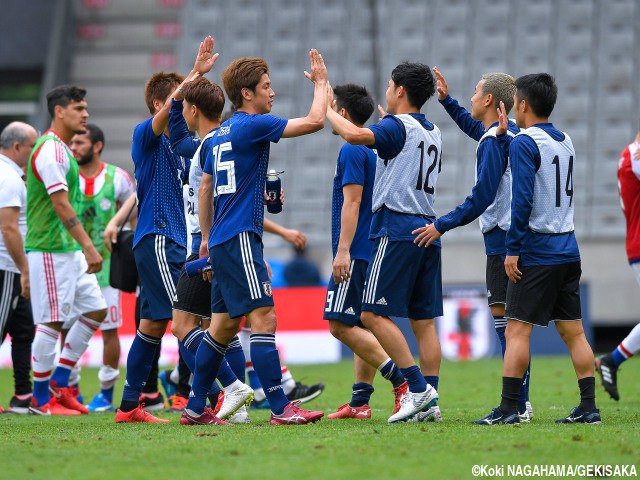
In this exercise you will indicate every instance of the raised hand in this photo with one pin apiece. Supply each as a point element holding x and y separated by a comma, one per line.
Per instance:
<point>503,120</point>
<point>318,68</point>
<point>206,58</point>
<point>177,94</point>
<point>441,84</point>
<point>381,112</point>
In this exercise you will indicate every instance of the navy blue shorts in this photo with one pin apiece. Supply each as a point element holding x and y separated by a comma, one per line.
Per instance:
<point>241,280</point>
<point>159,261</point>
<point>344,301</point>
<point>403,280</point>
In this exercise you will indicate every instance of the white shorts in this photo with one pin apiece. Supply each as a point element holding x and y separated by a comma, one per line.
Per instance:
<point>114,308</point>
<point>61,288</point>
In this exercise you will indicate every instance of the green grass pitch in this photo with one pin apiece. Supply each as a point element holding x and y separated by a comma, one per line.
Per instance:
<point>94,447</point>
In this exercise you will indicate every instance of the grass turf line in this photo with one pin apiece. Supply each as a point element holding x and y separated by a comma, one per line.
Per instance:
<point>94,447</point>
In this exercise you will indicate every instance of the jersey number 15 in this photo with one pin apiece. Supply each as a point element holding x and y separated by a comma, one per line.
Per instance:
<point>220,166</point>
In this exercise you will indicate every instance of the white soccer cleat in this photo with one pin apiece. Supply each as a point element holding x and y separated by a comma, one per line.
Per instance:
<point>527,415</point>
<point>234,399</point>
<point>413,403</point>
<point>431,414</point>
<point>241,416</point>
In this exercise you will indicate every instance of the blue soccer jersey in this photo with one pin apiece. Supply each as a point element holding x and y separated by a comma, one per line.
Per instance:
<point>238,163</point>
<point>160,174</point>
<point>356,165</point>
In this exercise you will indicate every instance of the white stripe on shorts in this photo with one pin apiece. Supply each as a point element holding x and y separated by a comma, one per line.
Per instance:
<point>163,266</point>
<point>342,292</point>
<point>372,281</point>
<point>249,267</point>
<point>5,298</point>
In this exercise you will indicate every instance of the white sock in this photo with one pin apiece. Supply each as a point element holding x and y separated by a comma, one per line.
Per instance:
<point>174,376</point>
<point>288,383</point>
<point>245,340</point>
<point>77,340</point>
<point>108,376</point>
<point>631,343</point>
<point>43,352</point>
<point>74,377</point>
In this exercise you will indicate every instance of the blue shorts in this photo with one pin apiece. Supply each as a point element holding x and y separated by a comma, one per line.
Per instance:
<point>403,280</point>
<point>159,261</point>
<point>241,280</point>
<point>344,301</point>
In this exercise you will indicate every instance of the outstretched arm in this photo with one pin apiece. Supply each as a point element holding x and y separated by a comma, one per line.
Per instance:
<point>351,133</point>
<point>205,59</point>
<point>473,128</point>
<point>110,235</point>
<point>314,120</point>
<point>294,237</point>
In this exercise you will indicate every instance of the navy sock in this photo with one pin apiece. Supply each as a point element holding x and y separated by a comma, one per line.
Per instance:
<point>510,391</point>
<point>235,357</point>
<point>617,357</point>
<point>500,324</point>
<point>524,388</point>
<point>254,381</point>
<point>208,359</point>
<point>587,388</point>
<point>225,375</point>
<point>61,376</point>
<point>414,378</point>
<point>141,355</point>
<point>107,393</point>
<point>189,346</point>
<point>391,372</point>
<point>361,394</point>
<point>213,393</point>
<point>432,380</point>
<point>266,363</point>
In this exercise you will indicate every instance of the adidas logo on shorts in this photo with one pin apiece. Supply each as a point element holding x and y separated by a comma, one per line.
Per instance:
<point>350,311</point>
<point>382,301</point>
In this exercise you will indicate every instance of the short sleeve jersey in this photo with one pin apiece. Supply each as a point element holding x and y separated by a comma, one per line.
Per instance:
<point>629,184</point>
<point>238,162</point>
<point>160,174</point>
<point>357,166</point>
<point>13,194</point>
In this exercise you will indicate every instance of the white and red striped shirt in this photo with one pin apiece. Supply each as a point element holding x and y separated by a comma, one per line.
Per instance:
<point>629,186</point>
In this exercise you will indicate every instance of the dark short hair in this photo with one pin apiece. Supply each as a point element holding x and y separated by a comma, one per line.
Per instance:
<point>244,72</point>
<point>540,91</point>
<point>205,95</point>
<point>159,87</point>
<point>63,95</point>
<point>95,134</point>
<point>417,80</point>
<point>356,100</point>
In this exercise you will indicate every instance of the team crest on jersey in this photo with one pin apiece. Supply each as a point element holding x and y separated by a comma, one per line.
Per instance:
<point>66,308</point>
<point>105,204</point>
<point>266,286</point>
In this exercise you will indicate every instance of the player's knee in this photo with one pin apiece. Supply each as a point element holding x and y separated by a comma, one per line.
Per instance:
<point>338,329</point>
<point>368,319</point>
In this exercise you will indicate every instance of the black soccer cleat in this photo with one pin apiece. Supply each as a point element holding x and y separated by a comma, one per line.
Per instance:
<point>578,416</point>
<point>305,393</point>
<point>496,417</point>
<point>19,406</point>
<point>609,375</point>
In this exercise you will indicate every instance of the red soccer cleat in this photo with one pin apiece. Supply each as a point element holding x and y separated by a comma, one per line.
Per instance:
<point>137,415</point>
<point>178,403</point>
<point>206,418</point>
<point>399,392</point>
<point>52,407</point>
<point>66,398</point>
<point>294,415</point>
<point>347,411</point>
<point>219,403</point>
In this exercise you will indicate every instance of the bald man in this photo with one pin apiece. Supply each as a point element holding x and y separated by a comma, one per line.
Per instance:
<point>16,142</point>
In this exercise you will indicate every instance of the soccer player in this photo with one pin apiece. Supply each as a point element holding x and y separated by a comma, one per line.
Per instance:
<point>236,169</point>
<point>543,260</point>
<point>61,250</point>
<point>16,142</point>
<point>629,185</point>
<point>104,189</point>
<point>403,280</point>
<point>490,197</point>
<point>351,222</point>
<point>161,237</point>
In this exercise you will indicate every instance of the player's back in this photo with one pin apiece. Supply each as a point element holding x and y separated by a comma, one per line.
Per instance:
<point>159,176</point>
<point>407,182</point>
<point>238,162</point>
